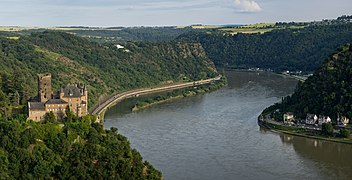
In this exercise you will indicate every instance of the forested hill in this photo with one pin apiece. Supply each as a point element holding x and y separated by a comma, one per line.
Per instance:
<point>106,68</point>
<point>281,49</point>
<point>328,91</point>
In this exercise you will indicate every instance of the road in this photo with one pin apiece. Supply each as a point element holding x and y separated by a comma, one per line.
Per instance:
<point>101,107</point>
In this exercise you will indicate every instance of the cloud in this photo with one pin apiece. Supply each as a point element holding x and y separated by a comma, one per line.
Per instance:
<point>247,6</point>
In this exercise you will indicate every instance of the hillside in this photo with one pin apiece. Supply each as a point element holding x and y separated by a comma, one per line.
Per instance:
<point>295,49</point>
<point>111,34</point>
<point>327,92</point>
<point>104,67</point>
<point>77,148</point>
<point>74,150</point>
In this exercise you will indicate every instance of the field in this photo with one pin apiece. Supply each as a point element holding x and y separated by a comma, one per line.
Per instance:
<point>256,28</point>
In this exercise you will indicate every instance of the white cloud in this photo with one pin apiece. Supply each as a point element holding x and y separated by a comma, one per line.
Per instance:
<point>247,6</point>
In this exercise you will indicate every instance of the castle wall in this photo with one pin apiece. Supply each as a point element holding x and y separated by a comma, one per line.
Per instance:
<point>74,104</point>
<point>36,115</point>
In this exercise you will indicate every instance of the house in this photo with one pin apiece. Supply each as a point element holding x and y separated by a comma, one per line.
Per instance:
<point>288,117</point>
<point>323,119</point>
<point>74,97</point>
<point>311,119</point>
<point>342,120</point>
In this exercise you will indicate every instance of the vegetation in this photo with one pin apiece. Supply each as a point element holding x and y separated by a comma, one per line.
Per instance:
<point>284,48</point>
<point>78,149</point>
<point>191,91</point>
<point>327,129</point>
<point>112,34</point>
<point>103,67</point>
<point>344,133</point>
<point>74,150</point>
<point>327,92</point>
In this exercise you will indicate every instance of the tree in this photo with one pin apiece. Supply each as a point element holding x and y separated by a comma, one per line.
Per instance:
<point>70,116</point>
<point>4,162</point>
<point>344,133</point>
<point>50,117</point>
<point>15,98</point>
<point>327,129</point>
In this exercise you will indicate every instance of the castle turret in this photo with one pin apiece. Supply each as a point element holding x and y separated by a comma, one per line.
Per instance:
<point>44,87</point>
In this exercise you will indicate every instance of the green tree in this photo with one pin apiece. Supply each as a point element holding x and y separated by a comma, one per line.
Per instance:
<point>344,133</point>
<point>4,162</point>
<point>50,117</point>
<point>327,129</point>
<point>70,116</point>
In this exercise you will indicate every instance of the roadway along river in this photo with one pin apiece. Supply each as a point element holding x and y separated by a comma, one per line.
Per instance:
<point>216,136</point>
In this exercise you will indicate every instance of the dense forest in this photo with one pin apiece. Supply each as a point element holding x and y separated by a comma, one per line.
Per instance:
<point>301,49</point>
<point>121,34</point>
<point>76,149</point>
<point>327,92</point>
<point>105,68</point>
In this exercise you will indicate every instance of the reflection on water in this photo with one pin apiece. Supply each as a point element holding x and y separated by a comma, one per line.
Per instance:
<point>336,157</point>
<point>216,136</point>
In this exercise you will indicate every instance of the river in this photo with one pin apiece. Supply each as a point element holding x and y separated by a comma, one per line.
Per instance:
<point>216,136</point>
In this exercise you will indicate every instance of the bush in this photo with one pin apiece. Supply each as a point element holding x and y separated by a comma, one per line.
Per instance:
<point>344,133</point>
<point>327,129</point>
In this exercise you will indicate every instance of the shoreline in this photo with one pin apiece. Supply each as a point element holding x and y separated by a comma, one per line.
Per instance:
<point>180,95</point>
<point>149,105</point>
<point>296,77</point>
<point>100,110</point>
<point>266,125</point>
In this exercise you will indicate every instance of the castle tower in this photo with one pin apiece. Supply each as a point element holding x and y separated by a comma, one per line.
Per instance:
<point>44,87</point>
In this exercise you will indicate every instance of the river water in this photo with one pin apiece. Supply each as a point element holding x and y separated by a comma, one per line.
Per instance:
<point>216,136</point>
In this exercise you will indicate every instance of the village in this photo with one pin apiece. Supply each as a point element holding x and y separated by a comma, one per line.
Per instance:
<point>313,121</point>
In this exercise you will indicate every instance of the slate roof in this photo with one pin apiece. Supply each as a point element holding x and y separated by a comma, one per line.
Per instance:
<point>37,106</point>
<point>56,101</point>
<point>72,91</point>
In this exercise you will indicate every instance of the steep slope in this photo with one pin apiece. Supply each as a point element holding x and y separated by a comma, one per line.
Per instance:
<point>328,91</point>
<point>76,150</point>
<point>105,68</point>
<point>286,49</point>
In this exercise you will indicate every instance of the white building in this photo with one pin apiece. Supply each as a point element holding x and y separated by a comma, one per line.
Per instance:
<point>323,119</point>
<point>311,119</point>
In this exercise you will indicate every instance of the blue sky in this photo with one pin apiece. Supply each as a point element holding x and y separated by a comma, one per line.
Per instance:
<point>47,13</point>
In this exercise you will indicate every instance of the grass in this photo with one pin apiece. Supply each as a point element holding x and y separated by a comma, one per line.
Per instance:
<point>234,31</point>
<point>255,28</point>
<point>204,27</point>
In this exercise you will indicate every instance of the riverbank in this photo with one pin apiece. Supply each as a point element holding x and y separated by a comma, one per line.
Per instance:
<point>301,132</point>
<point>100,109</point>
<point>145,104</point>
<point>178,94</point>
<point>301,78</point>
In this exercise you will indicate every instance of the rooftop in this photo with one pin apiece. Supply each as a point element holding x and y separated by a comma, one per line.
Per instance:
<point>72,91</point>
<point>56,101</point>
<point>36,106</point>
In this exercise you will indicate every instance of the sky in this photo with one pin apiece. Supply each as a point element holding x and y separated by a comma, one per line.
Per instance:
<point>107,13</point>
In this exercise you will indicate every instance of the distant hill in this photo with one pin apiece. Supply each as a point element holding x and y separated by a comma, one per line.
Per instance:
<point>113,34</point>
<point>279,47</point>
<point>327,92</point>
<point>106,68</point>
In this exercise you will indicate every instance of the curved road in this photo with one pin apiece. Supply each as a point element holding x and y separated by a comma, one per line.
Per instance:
<point>101,107</point>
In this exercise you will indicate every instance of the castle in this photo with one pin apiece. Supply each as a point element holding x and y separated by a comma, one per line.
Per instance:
<point>73,96</point>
